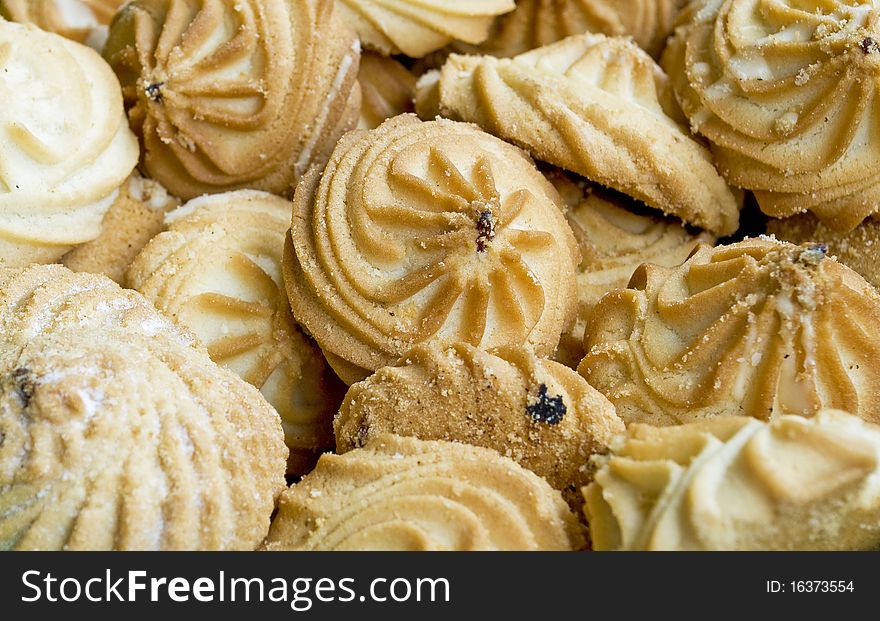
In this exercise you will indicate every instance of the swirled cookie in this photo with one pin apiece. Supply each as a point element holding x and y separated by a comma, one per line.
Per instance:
<point>858,248</point>
<point>84,21</point>
<point>615,237</point>
<point>60,165</point>
<point>740,484</point>
<point>217,271</point>
<point>118,430</point>
<point>229,94</point>
<point>602,108</point>
<point>538,412</point>
<point>417,28</point>
<point>406,494</point>
<point>387,89</point>
<point>536,23</point>
<point>759,328</point>
<point>423,230</point>
<point>786,92</point>
<point>135,217</point>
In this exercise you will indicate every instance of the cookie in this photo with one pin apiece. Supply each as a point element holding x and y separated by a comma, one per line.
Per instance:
<point>417,28</point>
<point>387,89</point>
<point>135,217</point>
<point>60,165</point>
<point>217,271</point>
<point>759,328</point>
<point>615,236</point>
<point>786,94</point>
<point>234,94</point>
<point>536,23</point>
<point>740,484</point>
<point>119,433</point>
<point>84,21</point>
<point>538,412</point>
<point>858,249</point>
<point>599,107</point>
<point>422,230</point>
<point>405,494</point>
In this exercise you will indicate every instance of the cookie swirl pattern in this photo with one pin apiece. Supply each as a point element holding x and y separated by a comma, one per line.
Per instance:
<point>118,430</point>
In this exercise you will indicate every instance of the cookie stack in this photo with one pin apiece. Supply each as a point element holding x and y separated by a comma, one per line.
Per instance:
<point>393,275</point>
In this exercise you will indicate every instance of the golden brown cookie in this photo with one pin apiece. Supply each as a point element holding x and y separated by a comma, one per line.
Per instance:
<point>759,328</point>
<point>65,146</point>
<point>536,23</point>
<point>217,271</point>
<point>423,230</point>
<point>538,412</point>
<point>84,21</point>
<point>135,217</point>
<point>858,248</point>
<point>599,107</point>
<point>417,28</point>
<point>230,94</point>
<point>387,89</point>
<point>406,494</point>
<point>615,236</point>
<point>740,484</point>
<point>786,92</point>
<point>119,433</point>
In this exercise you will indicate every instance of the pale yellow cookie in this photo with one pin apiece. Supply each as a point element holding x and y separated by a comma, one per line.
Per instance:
<point>786,90</point>
<point>387,89</point>
<point>538,412</point>
<point>615,236</point>
<point>84,21</point>
<point>759,328</point>
<point>217,271</point>
<point>406,494</point>
<point>417,28</point>
<point>135,217</point>
<point>427,230</point>
<point>118,431</point>
<point>65,146</point>
<point>602,108</point>
<point>858,248</point>
<point>536,23</point>
<point>229,94</point>
<point>740,484</point>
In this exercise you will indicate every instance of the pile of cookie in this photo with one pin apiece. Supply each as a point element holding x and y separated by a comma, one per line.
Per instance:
<point>446,275</point>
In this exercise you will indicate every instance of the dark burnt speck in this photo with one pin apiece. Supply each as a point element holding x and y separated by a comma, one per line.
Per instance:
<point>485,230</point>
<point>24,385</point>
<point>869,46</point>
<point>550,410</point>
<point>154,91</point>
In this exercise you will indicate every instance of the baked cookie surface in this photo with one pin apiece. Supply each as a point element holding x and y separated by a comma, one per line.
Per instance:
<point>406,494</point>
<point>427,230</point>
<point>119,433</point>
<point>740,484</point>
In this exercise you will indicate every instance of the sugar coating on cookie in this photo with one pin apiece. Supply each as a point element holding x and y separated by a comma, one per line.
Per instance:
<point>217,271</point>
<point>234,94</point>
<point>400,493</point>
<point>60,165</point>
<point>119,433</point>
<point>759,328</point>
<point>599,107</point>
<point>417,28</point>
<point>427,230</point>
<point>786,91</point>
<point>740,484</point>
<point>538,412</point>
